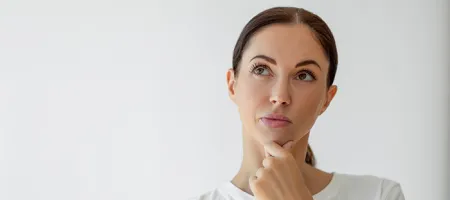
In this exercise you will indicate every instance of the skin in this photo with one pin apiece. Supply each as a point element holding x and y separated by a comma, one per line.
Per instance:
<point>273,165</point>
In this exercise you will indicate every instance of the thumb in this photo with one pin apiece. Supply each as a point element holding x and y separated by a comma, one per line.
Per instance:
<point>288,145</point>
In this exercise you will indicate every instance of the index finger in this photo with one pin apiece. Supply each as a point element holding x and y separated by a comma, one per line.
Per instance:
<point>274,149</point>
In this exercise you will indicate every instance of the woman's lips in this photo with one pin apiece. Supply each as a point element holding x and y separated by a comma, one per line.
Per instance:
<point>275,120</point>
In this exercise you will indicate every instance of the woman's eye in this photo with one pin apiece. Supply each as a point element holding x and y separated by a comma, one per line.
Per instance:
<point>305,76</point>
<point>261,71</point>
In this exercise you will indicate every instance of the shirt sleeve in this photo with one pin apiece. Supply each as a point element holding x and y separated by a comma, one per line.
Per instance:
<point>392,191</point>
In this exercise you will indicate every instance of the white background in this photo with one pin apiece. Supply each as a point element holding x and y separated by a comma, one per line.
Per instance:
<point>127,99</point>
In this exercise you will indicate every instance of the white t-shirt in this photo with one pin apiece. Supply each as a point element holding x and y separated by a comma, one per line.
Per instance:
<point>341,187</point>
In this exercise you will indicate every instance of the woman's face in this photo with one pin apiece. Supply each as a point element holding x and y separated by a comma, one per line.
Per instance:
<point>283,72</point>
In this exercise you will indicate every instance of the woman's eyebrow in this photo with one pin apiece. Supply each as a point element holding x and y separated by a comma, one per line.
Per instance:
<point>302,63</point>
<point>267,58</point>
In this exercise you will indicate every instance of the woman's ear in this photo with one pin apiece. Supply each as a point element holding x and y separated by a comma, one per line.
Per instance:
<point>330,95</point>
<point>231,82</point>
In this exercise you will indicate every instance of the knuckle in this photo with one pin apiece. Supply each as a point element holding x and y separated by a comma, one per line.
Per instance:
<point>268,162</point>
<point>260,173</point>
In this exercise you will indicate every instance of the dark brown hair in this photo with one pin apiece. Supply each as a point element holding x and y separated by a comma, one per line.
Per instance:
<point>286,15</point>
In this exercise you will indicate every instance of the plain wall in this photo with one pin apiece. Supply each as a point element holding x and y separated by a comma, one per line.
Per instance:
<point>128,100</point>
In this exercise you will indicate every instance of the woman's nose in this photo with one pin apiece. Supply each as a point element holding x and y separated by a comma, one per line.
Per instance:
<point>280,100</point>
<point>280,95</point>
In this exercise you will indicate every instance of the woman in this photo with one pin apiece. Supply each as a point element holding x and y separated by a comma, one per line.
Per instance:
<point>284,64</point>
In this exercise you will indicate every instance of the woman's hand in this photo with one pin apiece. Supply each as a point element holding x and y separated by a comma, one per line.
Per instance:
<point>280,178</point>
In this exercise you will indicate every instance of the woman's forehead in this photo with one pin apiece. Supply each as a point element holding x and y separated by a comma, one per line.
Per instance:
<point>286,42</point>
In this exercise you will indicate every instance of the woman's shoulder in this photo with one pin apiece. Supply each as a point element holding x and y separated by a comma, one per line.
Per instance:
<point>363,181</point>
<point>364,178</point>
<point>363,185</point>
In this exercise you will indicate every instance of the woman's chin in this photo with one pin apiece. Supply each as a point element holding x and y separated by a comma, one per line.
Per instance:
<point>277,137</point>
